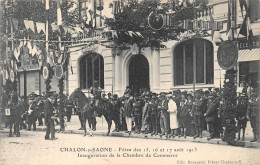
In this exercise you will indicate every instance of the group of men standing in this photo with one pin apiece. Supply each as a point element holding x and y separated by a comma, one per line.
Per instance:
<point>179,113</point>
<point>24,113</point>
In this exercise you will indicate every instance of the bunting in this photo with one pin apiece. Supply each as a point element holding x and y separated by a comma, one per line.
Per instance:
<point>29,25</point>
<point>40,27</point>
<point>203,25</point>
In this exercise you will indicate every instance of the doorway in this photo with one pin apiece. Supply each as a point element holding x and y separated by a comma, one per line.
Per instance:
<point>139,74</point>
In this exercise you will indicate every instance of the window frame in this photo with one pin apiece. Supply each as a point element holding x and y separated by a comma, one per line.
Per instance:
<point>83,72</point>
<point>194,54</point>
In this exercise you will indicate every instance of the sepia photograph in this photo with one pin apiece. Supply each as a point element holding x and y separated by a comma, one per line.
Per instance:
<point>129,82</point>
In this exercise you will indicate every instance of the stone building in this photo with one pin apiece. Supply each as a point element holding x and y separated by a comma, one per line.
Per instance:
<point>167,68</point>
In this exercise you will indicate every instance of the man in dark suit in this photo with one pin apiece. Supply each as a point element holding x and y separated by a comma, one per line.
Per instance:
<point>252,112</point>
<point>49,116</point>
<point>163,107</point>
<point>198,108</point>
<point>32,112</point>
<point>211,115</point>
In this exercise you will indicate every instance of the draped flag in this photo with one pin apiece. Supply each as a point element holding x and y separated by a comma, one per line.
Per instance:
<point>229,16</point>
<point>246,30</point>
<point>243,5</point>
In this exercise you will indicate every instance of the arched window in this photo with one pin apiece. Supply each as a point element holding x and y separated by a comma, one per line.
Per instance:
<point>193,60</point>
<point>91,69</point>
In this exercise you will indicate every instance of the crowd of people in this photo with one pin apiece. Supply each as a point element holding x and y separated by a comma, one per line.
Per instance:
<point>47,110</point>
<point>181,113</point>
<point>177,113</point>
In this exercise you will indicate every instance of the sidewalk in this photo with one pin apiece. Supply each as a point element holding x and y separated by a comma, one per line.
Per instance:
<point>73,126</point>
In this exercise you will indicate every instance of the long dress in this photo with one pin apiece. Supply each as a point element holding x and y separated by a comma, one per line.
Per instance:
<point>172,108</point>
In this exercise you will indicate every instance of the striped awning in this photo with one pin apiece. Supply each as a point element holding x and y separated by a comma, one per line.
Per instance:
<point>249,55</point>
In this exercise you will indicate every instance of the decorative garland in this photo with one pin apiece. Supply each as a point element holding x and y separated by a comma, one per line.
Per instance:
<point>229,107</point>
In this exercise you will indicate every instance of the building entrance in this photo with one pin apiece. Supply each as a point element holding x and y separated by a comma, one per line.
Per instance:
<point>139,74</point>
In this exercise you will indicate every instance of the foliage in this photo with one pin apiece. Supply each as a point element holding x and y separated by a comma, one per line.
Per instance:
<point>134,17</point>
<point>229,106</point>
<point>35,11</point>
<point>9,88</point>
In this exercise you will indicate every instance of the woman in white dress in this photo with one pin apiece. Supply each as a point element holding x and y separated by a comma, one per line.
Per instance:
<point>172,109</point>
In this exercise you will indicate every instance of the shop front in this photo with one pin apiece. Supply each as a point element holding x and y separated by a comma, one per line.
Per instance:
<point>249,61</point>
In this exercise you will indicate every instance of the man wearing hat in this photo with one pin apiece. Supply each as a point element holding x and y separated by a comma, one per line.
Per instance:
<point>252,112</point>
<point>211,115</point>
<point>32,112</point>
<point>198,106</point>
<point>145,114</point>
<point>109,97</point>
<point>153,103</point>
<point>163,107</point>
<point>116,112</point>
<point>96,90</point>
<point>137,107</point>
<point>241,115</point>
<point>172,109</point>
<point>49,116</point>
<point>128,112</point>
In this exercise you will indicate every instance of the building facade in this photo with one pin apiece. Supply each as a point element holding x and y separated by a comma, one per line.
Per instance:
<point>185,64</point>
<point>166,69</point>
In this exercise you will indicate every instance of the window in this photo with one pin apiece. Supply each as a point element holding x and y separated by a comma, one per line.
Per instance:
<point>91,68</point>
<point>193,59</point>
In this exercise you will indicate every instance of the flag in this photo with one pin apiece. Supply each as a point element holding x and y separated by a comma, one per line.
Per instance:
<point>246,30</point>
<point>229,17</point>
<point>59,16</point>
<point>242,5</point>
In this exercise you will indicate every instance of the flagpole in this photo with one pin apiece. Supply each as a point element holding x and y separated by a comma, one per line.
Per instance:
<point>59,23</point>
<point>47,28</point>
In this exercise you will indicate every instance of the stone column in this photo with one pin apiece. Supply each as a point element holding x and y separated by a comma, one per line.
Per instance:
<point>118,74</point>
<point>156,70</point>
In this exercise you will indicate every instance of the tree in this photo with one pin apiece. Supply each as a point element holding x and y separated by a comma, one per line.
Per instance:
<point>134,17</point>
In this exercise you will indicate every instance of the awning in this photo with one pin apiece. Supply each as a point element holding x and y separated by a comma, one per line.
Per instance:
<point>249,55</point>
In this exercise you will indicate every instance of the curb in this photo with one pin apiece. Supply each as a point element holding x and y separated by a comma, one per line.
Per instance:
<point>148,136</point>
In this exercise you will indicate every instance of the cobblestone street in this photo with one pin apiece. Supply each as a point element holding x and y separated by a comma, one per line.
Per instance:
<point>31,148</point>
